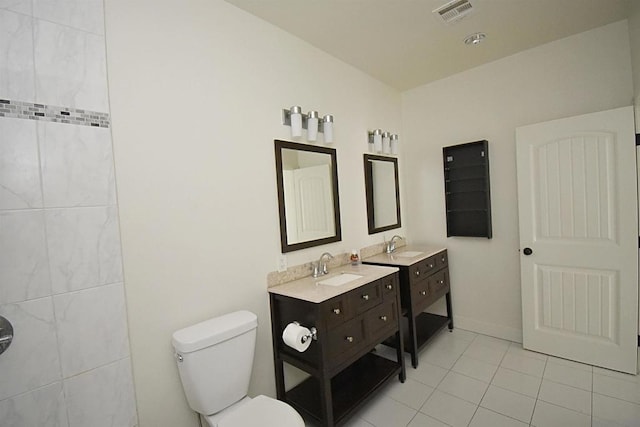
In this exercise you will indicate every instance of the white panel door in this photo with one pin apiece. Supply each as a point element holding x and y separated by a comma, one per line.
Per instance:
<point>577,201</point>
<point>314,199</point>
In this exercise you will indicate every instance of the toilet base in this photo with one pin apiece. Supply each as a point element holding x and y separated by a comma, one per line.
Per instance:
<point>213,420</point>
<point>261,411</point>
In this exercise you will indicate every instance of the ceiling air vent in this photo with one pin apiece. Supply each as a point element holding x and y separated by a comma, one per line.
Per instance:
<point>454,11</point>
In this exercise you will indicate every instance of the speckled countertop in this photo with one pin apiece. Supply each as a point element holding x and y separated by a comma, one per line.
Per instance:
<point>309,288</point>
<point>412,254</point>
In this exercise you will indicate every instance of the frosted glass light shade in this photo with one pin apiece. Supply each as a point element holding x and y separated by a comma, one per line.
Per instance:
<point>377,140</point>
<point>394,144</point>
<point>296,121</point>
<point>327,128</point>
<point>386,143</point>
<point>312,125</point>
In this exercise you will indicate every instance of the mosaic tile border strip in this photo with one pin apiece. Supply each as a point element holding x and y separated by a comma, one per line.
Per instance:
<point>51,113</point>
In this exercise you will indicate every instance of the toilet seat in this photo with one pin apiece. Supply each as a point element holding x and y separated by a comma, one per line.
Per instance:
<point>263,411</point>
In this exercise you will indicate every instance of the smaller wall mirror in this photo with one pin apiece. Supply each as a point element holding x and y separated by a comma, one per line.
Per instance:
<point>307,179</point>
<point>383,193</point>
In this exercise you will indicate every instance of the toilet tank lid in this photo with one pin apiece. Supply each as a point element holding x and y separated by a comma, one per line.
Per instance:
<point>213,331</point>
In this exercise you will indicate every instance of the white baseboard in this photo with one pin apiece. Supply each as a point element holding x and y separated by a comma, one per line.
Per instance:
<point>491,329</point>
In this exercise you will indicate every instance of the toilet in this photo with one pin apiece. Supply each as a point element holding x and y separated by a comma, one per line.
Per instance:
<point>215,358</point>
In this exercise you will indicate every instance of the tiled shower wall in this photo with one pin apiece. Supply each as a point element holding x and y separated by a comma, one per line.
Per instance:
<point>61,282</point>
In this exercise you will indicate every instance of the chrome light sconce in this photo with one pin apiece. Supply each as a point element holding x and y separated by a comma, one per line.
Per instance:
<point>312,125</point>
<point>295,121</point>
<point>382,142</point>
<point>327,128</point>
<point>311,122</point>
<point>394,143</point>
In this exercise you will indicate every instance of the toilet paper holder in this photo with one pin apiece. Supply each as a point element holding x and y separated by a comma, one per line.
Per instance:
<point>313,335</point>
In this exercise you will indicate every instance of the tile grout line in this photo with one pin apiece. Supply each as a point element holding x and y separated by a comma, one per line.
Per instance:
<point>490,383</point>
<point>440,382</point>
<point>535,403</point>
<point>592,374</point>
<point>448,371</point>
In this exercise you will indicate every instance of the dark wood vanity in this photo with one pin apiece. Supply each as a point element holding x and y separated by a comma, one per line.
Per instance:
<point>424,278</point>
<point>351,319</point>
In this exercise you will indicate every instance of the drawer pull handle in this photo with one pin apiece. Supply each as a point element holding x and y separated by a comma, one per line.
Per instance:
<point>423,293</point>
<point>383,318</point>
<point>389,287</point>
<point>444,259</point>
<point>441,282</point>
<point>350,339</point>
<point>336,311</point>
<point>365,297</point>
<point>417,272</point>
<point>430,265</point>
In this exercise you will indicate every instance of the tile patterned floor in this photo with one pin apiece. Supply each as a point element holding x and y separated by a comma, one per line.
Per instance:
<point>470,380</point>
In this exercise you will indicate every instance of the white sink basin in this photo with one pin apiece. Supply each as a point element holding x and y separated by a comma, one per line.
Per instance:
<point>408,254</point>
<point>339,280</point>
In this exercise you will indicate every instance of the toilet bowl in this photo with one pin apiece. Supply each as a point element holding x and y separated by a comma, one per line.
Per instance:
<point>214,360</point>
<point>260,411</point>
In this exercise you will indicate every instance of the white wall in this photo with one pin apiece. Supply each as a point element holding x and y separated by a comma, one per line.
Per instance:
<point>584,73</point>
<point>196,90</point>
<point>634,38</point>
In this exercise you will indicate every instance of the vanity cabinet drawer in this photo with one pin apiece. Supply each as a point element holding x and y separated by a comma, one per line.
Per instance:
<point>366,297</point>
<point>442,260</point>
<point>336,311</point>
<point>346,338</point>
<point>439,282</point>
<point>414,273</point>
<point>382,320</point>
<point>421,269</point>
<point>420,293</point>
<point>389,287</point>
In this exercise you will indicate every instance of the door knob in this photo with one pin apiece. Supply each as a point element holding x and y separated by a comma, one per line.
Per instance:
<point>527,251</point>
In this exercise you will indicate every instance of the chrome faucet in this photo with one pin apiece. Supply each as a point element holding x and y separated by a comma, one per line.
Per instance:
<point>391,244</point>
<point>320,268</point>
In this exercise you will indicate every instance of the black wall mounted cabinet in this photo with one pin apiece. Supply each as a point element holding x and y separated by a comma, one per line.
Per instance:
<point>466,187</point>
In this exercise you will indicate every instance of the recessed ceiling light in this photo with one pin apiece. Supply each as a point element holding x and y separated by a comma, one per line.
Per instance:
<point>474,39</point>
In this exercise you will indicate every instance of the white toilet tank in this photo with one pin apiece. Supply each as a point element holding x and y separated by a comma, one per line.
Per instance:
<point>215,359</point>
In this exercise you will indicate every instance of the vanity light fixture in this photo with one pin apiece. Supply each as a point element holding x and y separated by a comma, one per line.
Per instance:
<point>311,122</point>
<point>382,142</point>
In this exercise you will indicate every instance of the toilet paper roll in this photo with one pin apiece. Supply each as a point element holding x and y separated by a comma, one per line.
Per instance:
<point>297,337</point>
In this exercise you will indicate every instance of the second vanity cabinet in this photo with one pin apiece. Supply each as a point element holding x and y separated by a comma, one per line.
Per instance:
<point>424,278</point>
<point>350,320</point>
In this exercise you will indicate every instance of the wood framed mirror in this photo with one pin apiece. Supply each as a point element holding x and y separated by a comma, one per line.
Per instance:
<point>307,180</point>
<point>382,192</point>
